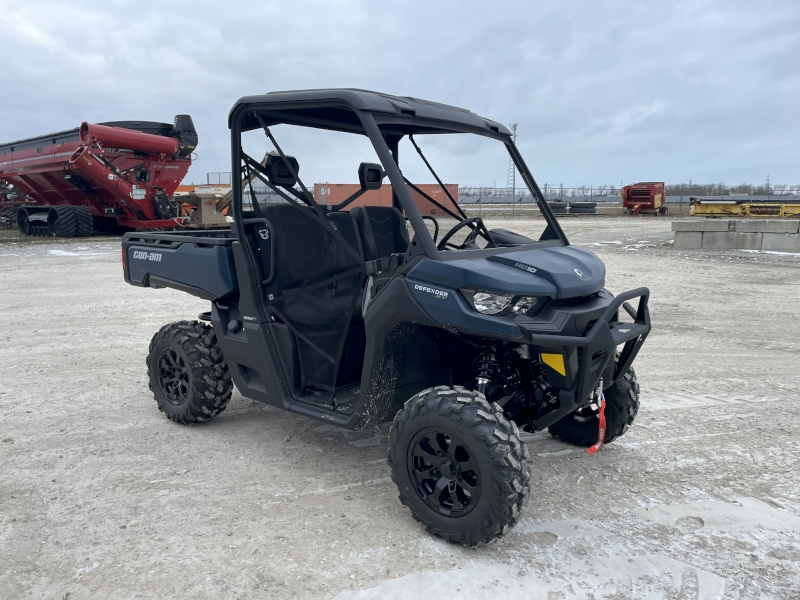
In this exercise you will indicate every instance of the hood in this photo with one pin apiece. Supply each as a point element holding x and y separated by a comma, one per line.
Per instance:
<point>557,272</point>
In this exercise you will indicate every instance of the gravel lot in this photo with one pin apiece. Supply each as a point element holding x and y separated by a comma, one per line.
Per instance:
<point>102,497</point>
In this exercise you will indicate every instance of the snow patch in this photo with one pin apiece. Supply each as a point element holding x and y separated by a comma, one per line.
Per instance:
<point>80,254</point>
<point>650,576</point>
<point>570,528</point>
<point>716,517</point>
<point>772,252</point>
<point>83,570</point>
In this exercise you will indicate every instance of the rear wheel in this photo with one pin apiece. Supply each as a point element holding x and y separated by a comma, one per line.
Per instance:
<point>189,377</point>
<point>622,405</point>
<point>459,465</point>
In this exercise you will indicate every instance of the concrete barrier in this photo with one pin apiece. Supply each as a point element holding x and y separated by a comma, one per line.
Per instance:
<point>766,226</point>
<point>781,242</point>
<point>701,225</point>
<point>723,234</point>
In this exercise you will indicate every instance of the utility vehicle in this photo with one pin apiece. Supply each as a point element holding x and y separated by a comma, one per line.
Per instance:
<point>356,317</point>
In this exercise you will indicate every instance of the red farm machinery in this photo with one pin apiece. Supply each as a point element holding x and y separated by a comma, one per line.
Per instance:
<point>109,177</point>
<point>646,197</point>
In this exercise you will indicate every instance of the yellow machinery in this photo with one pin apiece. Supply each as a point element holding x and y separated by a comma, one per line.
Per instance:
<point>743,208</point>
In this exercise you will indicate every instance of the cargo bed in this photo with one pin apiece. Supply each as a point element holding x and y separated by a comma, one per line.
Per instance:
<point>197,262</point>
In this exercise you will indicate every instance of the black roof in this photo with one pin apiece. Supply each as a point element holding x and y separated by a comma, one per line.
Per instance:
<point>332,109</point>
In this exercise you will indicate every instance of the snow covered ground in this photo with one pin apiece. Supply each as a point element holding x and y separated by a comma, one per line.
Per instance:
<point>102,497</point>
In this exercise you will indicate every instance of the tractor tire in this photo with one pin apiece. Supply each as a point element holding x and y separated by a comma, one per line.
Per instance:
<point>622,404</point>
<point>583,205</point>
<point>459,465</point>
<point>23,221</point>
<point>582,210</point>
<point>62,221</point>
<point>557,205</point>
<point>188,374</point>
<point>85,221</point>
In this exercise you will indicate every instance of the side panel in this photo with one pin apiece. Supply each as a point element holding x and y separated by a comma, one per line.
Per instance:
<point>204,271</point>
<point>252,358</point>
<point>387,327</point>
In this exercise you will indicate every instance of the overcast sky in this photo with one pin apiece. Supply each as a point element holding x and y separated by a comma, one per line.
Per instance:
<point>604,92</point>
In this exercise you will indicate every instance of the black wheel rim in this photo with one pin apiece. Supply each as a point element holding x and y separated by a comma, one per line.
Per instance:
<point>444,472</point>
<point>173,376</point>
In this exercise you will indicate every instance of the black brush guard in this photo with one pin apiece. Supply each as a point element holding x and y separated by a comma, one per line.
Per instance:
<point>597,349</point>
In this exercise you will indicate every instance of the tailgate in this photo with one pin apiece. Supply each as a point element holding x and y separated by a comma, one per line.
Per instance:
<point>202,267</point>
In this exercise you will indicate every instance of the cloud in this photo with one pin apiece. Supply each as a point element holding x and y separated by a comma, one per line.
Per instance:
<point>603,92</point>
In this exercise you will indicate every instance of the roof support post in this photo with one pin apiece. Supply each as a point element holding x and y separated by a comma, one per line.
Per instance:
<point>398,184</point>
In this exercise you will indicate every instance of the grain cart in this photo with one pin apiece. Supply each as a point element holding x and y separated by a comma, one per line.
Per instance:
<point>356,317</point>
<point>646,197</point>
<point>109,176</point>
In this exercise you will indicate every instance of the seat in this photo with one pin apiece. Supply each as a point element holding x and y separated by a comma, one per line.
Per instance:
<point>383,231</point>
<point>346,225</point>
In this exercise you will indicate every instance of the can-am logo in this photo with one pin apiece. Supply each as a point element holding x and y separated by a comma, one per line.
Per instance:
<point>579,273</point>
<point>525,267</point>
<point>142,255</point>
<point>441,294</point>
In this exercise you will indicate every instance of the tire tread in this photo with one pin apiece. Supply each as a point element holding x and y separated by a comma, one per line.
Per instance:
<point>501,443</point>
<point>211,381</point>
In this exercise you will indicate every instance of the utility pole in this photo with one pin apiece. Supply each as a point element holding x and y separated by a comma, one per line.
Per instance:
<point>511,180</point>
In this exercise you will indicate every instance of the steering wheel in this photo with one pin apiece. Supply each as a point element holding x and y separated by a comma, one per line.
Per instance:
<point>480,229</point>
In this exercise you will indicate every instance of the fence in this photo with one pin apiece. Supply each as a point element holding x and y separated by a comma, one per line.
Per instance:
<point>493,195</point>
<point>488,195</point>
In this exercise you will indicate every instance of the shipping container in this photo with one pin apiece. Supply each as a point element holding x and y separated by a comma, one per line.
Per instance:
<point>329,194</point>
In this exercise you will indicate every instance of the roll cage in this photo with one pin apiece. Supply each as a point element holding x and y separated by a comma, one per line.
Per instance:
<point>322,276</point>
<point>385,120</point>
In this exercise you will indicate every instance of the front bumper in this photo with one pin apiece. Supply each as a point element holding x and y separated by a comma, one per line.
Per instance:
<point>587,334</point>
<point>597,351</point>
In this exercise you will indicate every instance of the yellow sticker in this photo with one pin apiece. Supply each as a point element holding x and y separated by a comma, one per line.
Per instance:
<point>555,362</point>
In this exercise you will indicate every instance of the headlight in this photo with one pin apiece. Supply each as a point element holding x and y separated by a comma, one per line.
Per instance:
<point>490,304</point>
<point>525,304</point>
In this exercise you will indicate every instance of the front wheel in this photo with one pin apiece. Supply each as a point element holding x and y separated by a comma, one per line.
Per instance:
<point>188,374</point>
<point>622,405</point>
<point>459,465</point>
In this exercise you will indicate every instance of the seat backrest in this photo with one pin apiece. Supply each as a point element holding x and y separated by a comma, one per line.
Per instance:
<point>346,225</point>
<point>383,230</point>
<point>301,246</point>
